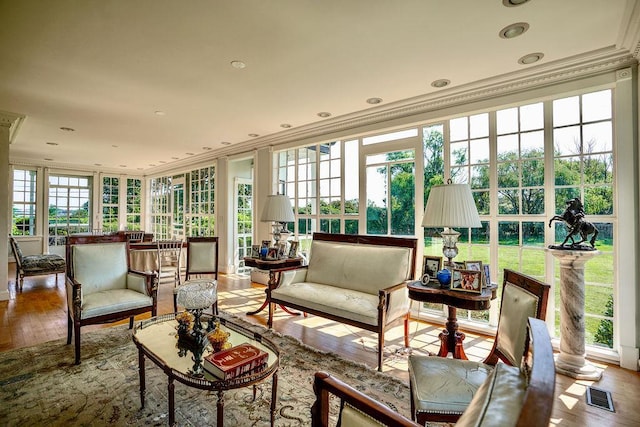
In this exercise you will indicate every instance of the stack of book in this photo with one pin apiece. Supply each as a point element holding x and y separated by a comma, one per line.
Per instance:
<point>239,360</point>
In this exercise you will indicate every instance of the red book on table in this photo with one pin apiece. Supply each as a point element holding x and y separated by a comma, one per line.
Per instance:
<point>236,361</point>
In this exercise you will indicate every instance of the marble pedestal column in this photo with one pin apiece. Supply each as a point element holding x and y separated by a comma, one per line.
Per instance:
<point>571,360</point>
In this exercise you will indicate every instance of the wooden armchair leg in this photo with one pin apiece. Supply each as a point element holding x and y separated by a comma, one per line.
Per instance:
<point>175,302</point>
<point>380,349</point>
<point>76,332</point>
<point>69,328</point>
<point>131,322</point>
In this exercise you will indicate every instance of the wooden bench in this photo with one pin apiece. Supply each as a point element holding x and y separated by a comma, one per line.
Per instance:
<point>510,396</point>
<point>353,279</point>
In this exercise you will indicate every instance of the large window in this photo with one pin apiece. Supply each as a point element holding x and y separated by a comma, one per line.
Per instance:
<point>69,207</point>
<point>110,200</point>
<point>201,213</point>
<point>23,221</point>
<point>583,168</point>
<point>323,190</point>
<point>161,208</point>
<point>134,202</point>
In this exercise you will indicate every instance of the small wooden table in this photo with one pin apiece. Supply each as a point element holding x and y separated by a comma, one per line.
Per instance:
<point>275,268</point>
<point>450,338</point>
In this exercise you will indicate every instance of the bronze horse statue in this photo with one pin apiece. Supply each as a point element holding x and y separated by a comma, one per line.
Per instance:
<point>573,217</point>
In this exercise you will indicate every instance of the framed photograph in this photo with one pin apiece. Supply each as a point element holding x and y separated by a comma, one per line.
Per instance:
<point>466,281</point>
<point>255,251</point>
<point>272,253</point>
<point>473,265</point>
<point>266,243</point>
<point>282,249</point>
<point>487,275</point>
<point>293,250</point>
<point>431,265</point>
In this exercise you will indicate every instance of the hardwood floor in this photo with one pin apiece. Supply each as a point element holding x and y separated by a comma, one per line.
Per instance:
<point>38,314</point>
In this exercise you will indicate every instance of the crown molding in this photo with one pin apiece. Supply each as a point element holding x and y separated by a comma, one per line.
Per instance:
<point>12,121</point>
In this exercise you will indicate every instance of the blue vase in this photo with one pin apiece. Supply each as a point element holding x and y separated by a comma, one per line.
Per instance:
<point>444,277</point>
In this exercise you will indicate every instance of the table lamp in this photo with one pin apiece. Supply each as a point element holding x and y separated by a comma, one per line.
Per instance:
<point>279,211</point>
<point>451,205</point>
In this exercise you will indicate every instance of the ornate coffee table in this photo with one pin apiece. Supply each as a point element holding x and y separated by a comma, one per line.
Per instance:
<point>156,339</point>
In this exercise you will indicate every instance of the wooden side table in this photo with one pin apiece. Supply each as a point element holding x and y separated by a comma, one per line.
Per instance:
<point>275,268</point>
<point>450,338</point>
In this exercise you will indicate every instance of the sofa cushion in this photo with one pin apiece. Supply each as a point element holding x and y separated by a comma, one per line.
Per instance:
<point>364,268</point>
<point>498,401</point>
<point>442,385</point>
<point>113,301</point>
<point>346,303</point>
<point>100,266</point>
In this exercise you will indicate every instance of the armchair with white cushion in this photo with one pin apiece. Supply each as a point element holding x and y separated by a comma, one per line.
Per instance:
<point>101,288</point>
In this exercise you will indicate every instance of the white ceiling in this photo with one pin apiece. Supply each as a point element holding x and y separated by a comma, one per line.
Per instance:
<point>104,68</point>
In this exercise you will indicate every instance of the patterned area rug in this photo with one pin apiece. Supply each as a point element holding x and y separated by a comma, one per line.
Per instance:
<point>40,385</point>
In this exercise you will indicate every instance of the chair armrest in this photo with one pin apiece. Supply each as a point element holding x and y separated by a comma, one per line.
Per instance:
<point>325,384</point>
<point>293,276</point>
<point>74,294</point>
<point>396,299</point>
<point>143,282</point>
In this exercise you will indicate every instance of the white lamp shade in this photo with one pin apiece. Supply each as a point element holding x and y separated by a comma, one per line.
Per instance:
<point>451,205</point>
<point>278,209</point>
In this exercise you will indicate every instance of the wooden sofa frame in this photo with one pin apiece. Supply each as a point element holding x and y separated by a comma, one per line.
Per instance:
<point>383,294</point>
<point>535,411</point>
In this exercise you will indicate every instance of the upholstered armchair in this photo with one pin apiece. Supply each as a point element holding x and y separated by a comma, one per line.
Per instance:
<point>441,388</point>
<point>519,396</point>
<point>100,286</point>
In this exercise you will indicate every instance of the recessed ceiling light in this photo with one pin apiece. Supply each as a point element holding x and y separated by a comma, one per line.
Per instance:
<point>440,83</point>
<point>162,161</point>
<point>225,143</point>
<point>285,125</point>
<point>97,164</point>
<point>324,114</point>
<point>254,135</point>
<point>513,3</point>
<point>67,129</point>
<point>159,113</point>
<point>140,169</point>
<point>151,164</point>
<point>52,143</point>
<point>123,166</point>
<point>189,154</point>
<point>175,158</point>
<point>531,58</point>
<point>374,100</point>
<point>114,146</point>
<point>206,148</point>
<point>238,64</point>
<point>48,159</point>
<point>513,30</point>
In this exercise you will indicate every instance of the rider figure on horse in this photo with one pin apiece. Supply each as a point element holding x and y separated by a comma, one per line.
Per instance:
<point>573,217</point>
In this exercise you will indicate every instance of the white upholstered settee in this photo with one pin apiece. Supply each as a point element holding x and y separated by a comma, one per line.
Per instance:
<point>353,279</point>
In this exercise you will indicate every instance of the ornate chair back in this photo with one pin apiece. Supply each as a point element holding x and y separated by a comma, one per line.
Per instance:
<point>202,256</point>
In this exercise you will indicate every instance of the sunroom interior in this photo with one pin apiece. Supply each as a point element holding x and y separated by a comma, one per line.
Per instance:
<point>526,136</point>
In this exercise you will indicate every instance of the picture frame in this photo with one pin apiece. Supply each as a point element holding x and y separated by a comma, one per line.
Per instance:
<point>431,265</point>
<point>282,250</point>
<point>255,251</point>
<point>293,250</point>
<point>473,265</point>
<point>272,253</point>
<point>466,281</point>
<point>487,275</point>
